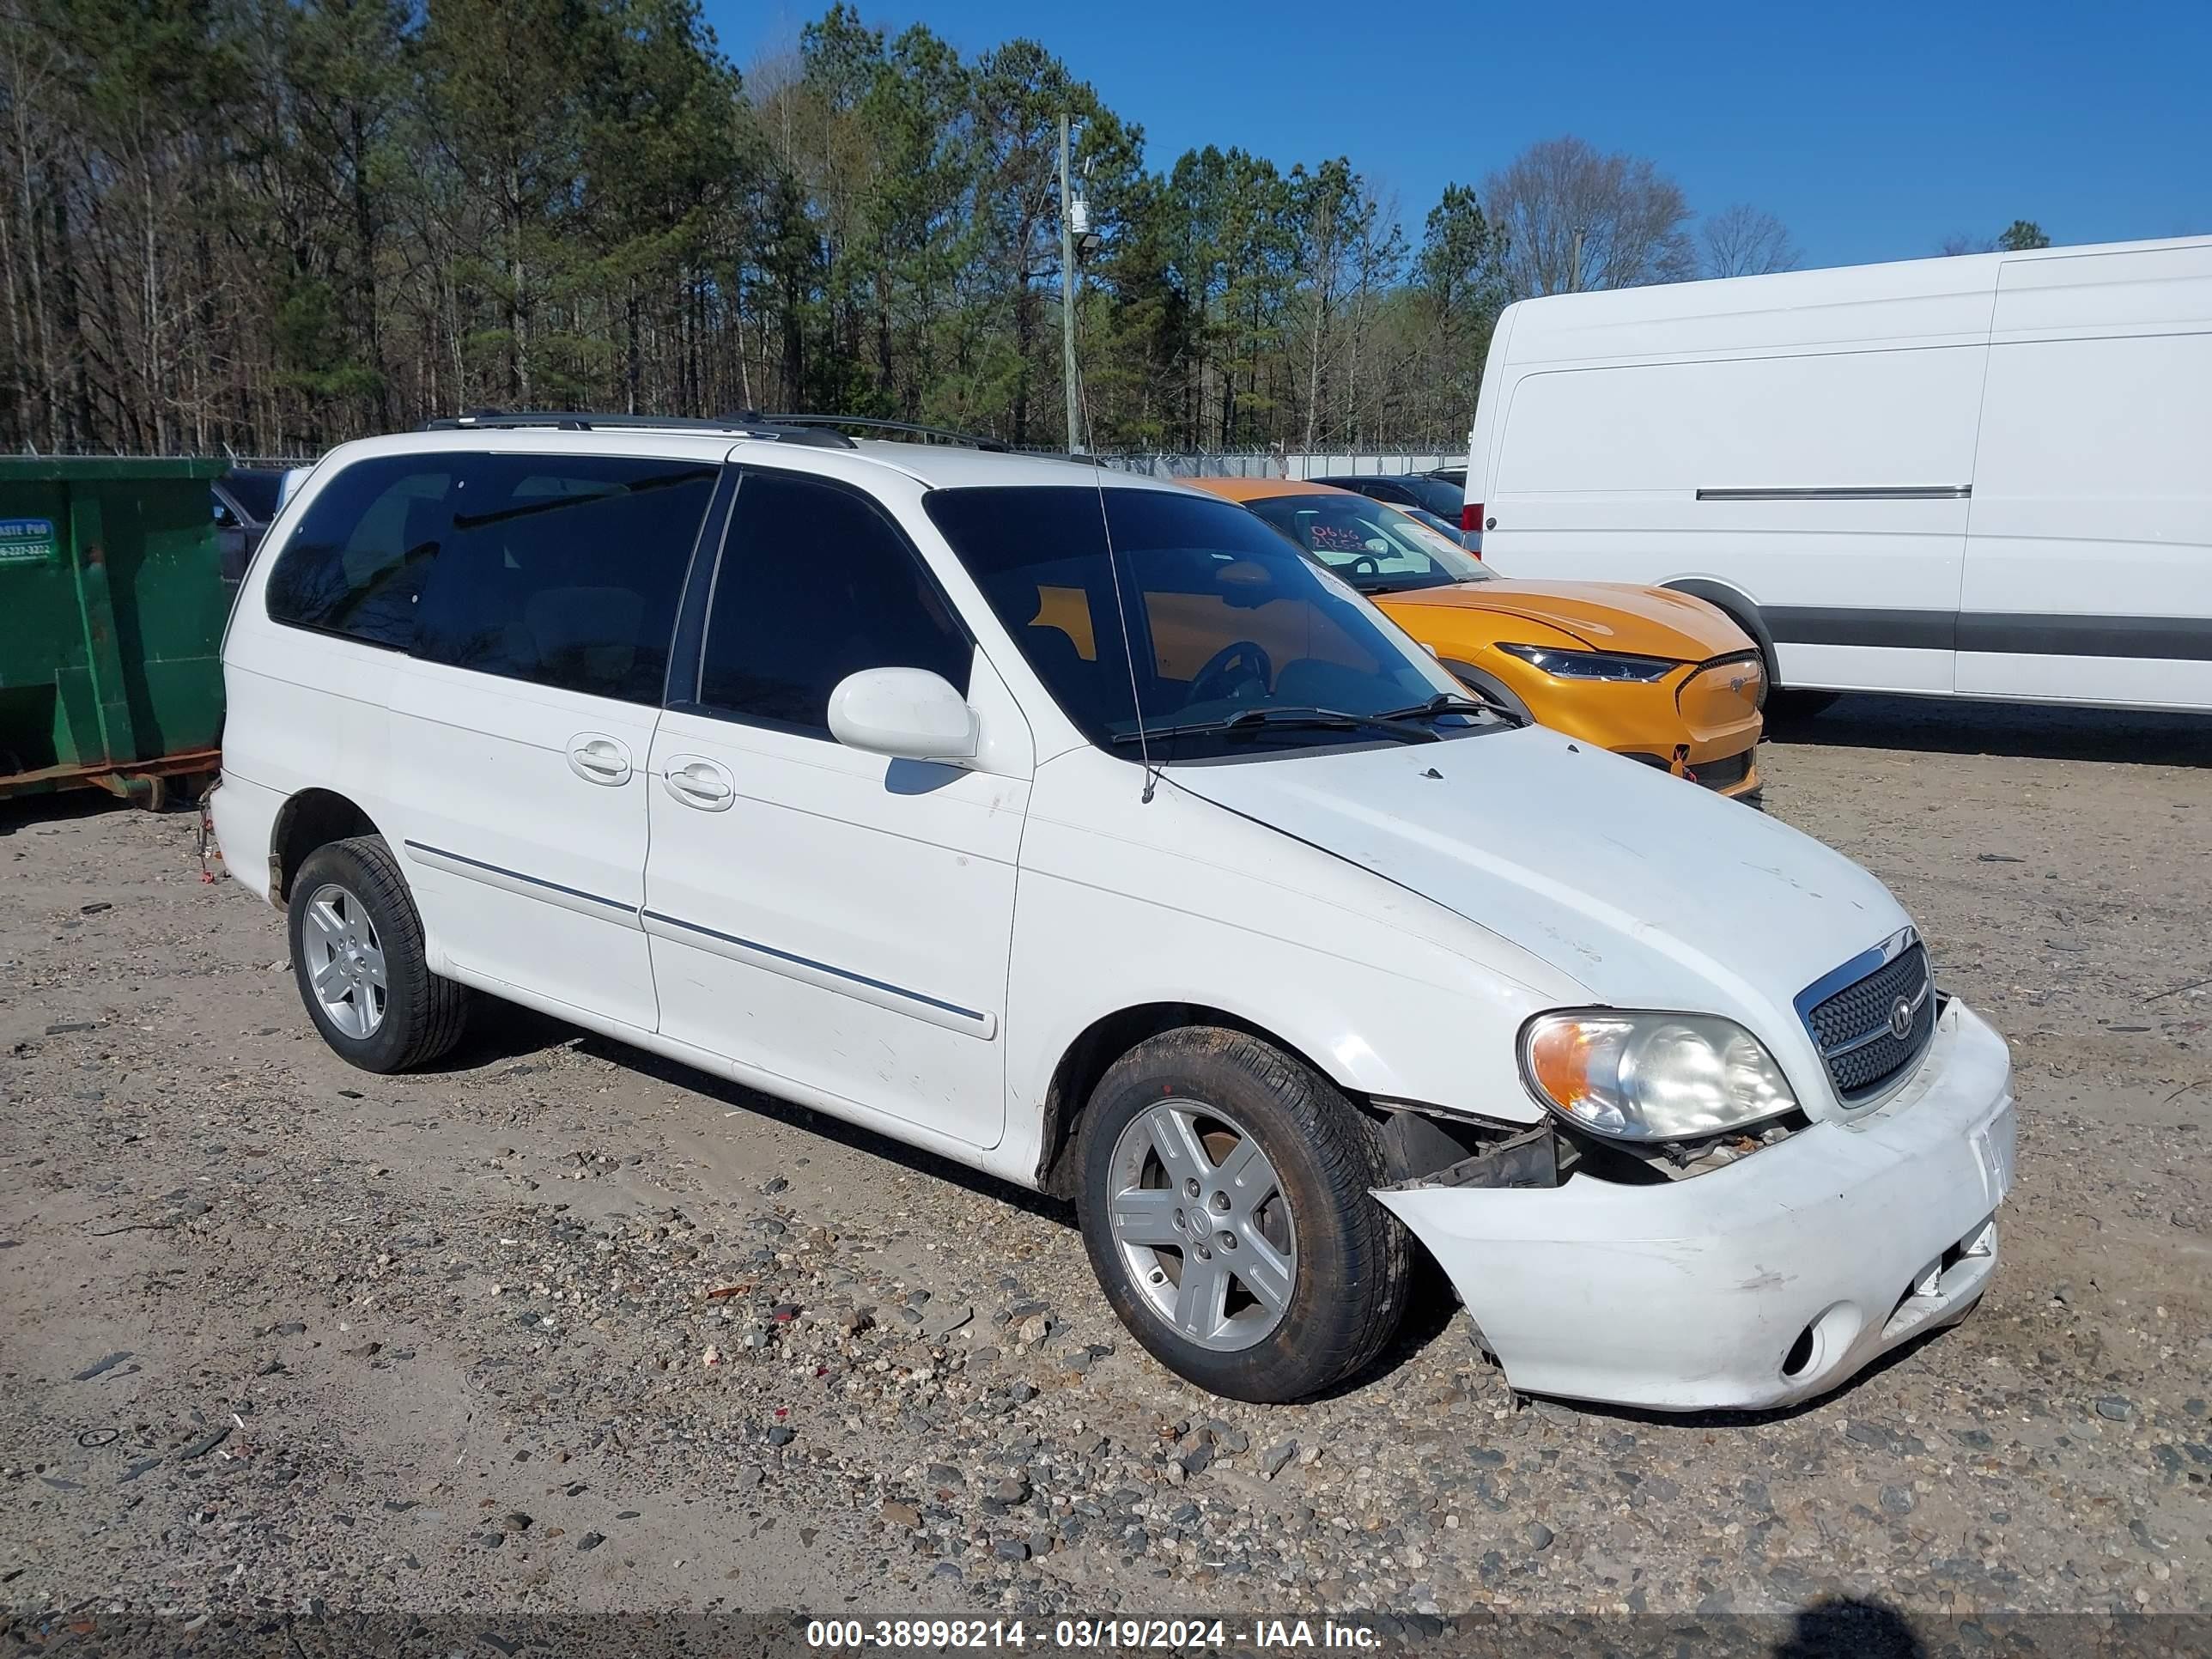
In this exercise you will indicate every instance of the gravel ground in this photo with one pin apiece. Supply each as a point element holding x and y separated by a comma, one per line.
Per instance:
<point>562,1328</point>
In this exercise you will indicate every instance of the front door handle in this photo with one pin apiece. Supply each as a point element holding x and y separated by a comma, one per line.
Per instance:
<point>699,783</point>
<point>597,758</point>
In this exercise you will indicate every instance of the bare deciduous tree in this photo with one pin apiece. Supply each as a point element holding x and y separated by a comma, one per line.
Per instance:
<point>1574,218</point>
<point>1744,241</point>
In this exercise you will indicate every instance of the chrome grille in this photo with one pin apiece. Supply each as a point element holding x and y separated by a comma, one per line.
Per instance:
<point>1864,1039</point>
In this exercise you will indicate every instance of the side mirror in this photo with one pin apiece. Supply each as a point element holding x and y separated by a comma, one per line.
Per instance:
<point>908,714</point>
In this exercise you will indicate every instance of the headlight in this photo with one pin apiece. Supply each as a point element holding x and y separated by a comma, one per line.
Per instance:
<point>1651,1077</point>
<point>1593,664</point>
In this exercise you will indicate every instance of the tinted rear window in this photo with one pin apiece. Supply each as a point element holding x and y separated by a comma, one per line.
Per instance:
<point>561,570</point>
<point>564,571</point>
<point>355,560</point>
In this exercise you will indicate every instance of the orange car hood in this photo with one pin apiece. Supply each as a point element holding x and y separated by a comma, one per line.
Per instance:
<point>1643,622</point>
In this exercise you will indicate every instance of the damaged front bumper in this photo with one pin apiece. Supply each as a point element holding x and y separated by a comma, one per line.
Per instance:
<point>1754,1285</point>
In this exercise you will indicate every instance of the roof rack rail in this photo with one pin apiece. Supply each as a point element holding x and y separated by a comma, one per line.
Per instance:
<point>909,429</point>
<point>746,423</point>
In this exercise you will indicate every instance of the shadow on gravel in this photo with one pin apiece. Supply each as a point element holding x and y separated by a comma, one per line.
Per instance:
<point>500,1032</point>
<point>1850,1628</point>
<point>1941,725</point>
<point>61,806</point>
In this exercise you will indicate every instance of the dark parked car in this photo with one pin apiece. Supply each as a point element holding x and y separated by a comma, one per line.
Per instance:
<point>244,500</point>
<point>1432,492</point>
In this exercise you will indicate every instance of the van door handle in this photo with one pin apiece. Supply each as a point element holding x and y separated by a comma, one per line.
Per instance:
<point>699,783</point>
<point>598,759</point>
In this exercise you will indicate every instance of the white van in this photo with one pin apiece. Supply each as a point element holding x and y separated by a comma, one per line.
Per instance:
<point>1078,828</point>
<point>1988,477</point>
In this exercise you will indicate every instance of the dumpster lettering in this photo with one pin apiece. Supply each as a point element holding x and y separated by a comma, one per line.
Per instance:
<point>27,541</point>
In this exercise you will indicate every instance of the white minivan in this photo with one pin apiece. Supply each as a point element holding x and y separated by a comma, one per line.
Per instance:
<point>1983,476</point>
<point>1075,827</point>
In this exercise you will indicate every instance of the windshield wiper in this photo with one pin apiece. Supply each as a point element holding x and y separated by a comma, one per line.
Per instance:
<point>1253,720</point>
<point>1451,702</point>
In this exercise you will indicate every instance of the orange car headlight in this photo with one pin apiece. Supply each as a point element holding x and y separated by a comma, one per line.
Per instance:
<point>1651,1076</point>
<point>1593,664</point>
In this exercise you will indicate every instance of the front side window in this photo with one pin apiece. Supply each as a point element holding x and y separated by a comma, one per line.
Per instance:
<point>816,584</point>
<point>563,570</point>
<point>1230,623</point>
<point>1372,545</point>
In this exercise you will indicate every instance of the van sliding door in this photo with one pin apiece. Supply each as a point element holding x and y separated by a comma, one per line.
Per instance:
<point>2089,560</point>
<point>1804,444</point>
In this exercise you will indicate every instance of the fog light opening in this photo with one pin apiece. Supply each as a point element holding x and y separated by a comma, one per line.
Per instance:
<point>1800,1356</point>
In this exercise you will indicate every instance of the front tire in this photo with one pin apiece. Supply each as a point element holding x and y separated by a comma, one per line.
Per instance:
<point>1225,1205</point>
<point>358,958</point>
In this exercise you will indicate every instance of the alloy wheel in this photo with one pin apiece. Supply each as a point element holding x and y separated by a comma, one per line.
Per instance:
<point>345,961</point>
<point>1203,1225</point>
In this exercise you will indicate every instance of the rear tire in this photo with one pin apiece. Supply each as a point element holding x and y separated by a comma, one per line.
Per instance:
<point>358,958</point>
<point>1210,1143</point>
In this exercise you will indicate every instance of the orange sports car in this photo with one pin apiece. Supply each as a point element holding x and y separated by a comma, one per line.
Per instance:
<point>1648,672</point>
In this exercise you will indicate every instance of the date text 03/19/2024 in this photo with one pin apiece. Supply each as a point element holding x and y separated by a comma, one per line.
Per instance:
<point>1086,1634</point>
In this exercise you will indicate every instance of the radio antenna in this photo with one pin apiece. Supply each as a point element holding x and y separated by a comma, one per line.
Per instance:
<point>1128,642</point>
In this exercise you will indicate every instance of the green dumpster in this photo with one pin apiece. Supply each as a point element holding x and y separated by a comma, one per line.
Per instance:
<point>112,612</point>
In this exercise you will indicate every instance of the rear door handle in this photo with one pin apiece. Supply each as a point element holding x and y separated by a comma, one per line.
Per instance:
<point>597,758</point>
<point>700,783</point>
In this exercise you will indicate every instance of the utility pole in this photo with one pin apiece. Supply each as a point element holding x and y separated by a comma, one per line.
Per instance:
<point>1575,270</point>
<point>1067,299</point>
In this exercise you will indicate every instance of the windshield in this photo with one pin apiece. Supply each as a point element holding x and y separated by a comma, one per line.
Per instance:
<point>1231,624</point>
<point>1374,547</point>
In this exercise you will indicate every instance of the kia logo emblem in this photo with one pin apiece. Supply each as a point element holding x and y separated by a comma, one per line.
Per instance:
<point>1901,1019</point>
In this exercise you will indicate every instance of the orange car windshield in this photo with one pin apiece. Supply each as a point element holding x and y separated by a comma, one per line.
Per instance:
<point>1376,549</point>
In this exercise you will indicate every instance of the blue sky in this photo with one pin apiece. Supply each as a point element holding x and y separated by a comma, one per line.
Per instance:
<point>1874,130</point>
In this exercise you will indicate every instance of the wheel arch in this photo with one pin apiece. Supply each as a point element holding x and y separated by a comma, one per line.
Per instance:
<point>1487,684</point>
<point>1742,610</point>
<point>309,819</point>
<point>1076,1075</point>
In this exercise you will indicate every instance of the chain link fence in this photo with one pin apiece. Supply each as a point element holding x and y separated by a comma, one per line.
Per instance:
<point>1277,463</point>
<point>1159,463</point>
